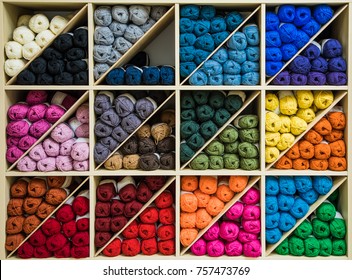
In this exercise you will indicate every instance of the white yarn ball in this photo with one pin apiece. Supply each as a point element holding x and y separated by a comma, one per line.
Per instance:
<point>23,35</point>
<point>30,49</point>
<point>13,66</point>
<point>23,20</point>
<point>43,38</point>
<point>57,24</point>
<point>13,49</point>
<point>38,23</point>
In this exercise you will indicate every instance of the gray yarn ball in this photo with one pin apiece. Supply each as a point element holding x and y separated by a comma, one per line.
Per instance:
<point>124,105</point>
<point>113,57</point>
<point>100,69</point>
<point>149,24</point>
<point>109,142</point>
<point>139,14</point>
<point>133,33</point>
<point>122,45</point>
<point>120,14</point>
<point>101,129</point>
<point>119,134</point>
<point>117,28</point>
<point>130,123</point>
<point>100,153</point>
<point>101,53</point>
<point>110,118</point>
<point>158,11</point>
<point>103,36</point>
<point>102,16</point>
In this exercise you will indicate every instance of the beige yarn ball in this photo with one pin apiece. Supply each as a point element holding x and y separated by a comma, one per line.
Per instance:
<point>43,38</point>
<point>13,66</point>
<point>30,49</point>
<point>13,49</point>
<point>23,20</point>
<point>38,23</point>
<point>57,24</point>
<point>23,35</point>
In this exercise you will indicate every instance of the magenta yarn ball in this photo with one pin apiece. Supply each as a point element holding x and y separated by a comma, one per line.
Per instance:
<point>215,248</point>
<point>251,212</point>
<point>251,226</point>
<point>235,212</point>
<point>199,248</point>
<point>252,249</point>
<point>37,112</point>
<point>245,237</point>
<point>233,248</point>
<point>36,97</point>
<point>212,233</point>
<point>252,196</point>
<point>18,111</point>
<point>229,230</point>
<point>54,113</point>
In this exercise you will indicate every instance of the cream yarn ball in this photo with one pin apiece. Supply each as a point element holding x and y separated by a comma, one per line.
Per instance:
<point>13,66</point>
<point>38,23</point>
<point>13,49</point>
<point>43,38</point>
<point>23,20</point>
<point>30,49</point>
<point>23,35</point>
<point>57,24</point>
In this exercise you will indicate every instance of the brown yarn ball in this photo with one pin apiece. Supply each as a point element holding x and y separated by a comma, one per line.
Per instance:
<point>55,196</point>
<point>166,145</point>
<point>31,204</point>
<point>131,162</point>
<point>59,181</point>
<point>13,241</point>
<point>31,223</point>
<point>130,147</point>
<point>37,187</point>
<point>44,210</point>
<point>14,224</point>
<point>160,131</point>
<point>149,162</point>
<point>146,145</point>
<point>167,161</point>
<point>168,116</point>
<point>14,207</point>
<point>114,162</point>
<point>144,131</point>
<point>19,188</point>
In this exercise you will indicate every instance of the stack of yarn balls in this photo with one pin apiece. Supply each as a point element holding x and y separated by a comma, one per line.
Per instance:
<point>63,236</point>
<point>118,28</point>
<point>318,65</point>
<point>236,147</point>
<point>31,201</point>
<point>66,149</point>
<point>65,62</point>
<point>288,114</point>
<point>287,199</point>
<point>323,146</point>
<point>33,32</point>
<point>202,199</point>
<point>120,200</point>
<point>288,30</point>
<point>203,113</point>
<point>30,119</point>
<point>237,233</point>
<point>321,235</point>
<point>151,232</point>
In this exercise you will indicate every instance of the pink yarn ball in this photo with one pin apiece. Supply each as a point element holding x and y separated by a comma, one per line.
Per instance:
<point>37,153</point>
<point>82,113</point>
<point>64,163</point>
<point>233,248</point>
<point>252,249</point>
<point>37,112</point>
<point>199,248</point>
<point>13,153</point>
<point>251,226</point>
<point>26,142</point>
<point>63,99</point>
<point>80,151</point>
<point>82,131</point>
<point>245,237</point>
<point>81,165</point>
<point>54,113</point>
<point>18,111</point>
<point>51,147</point>
<point>251,212</point>
<point>17,128</point>
<point>12,141</point>
<point>36,97</point>
<point>62,133</point>
<point>215,248</point>
<point>235,212</point>
<point>46,164</point>
<point>38,128</point>
<point>66,147</point>
<point>26,164</point>
<point>252,196</point>
<point>212,233</point>
<point>229,230</point>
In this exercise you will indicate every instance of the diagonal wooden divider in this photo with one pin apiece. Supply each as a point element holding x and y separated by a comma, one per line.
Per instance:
<point>336,184</point>
<point>65,117</point>
<point>340,95</point>
<point>167,184</point>
<point>149,36</point>
<point>223,43</point>
<point>336,14</point>
<point>144,122</point>
<point>51,214</point>
<point>248,101</point>
<point>228,205</point>
<point>71,23</point>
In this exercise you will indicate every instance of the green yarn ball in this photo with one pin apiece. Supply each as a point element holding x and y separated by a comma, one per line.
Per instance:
<point>216,99</point>
<point>200,162</point>
<point>188,115</point>
<point>216,162</point>
<point>208,129</point>
<point>338,228</point>
<point>215,148</point>
<point>248,150</point>
<point>296,246</point>
<point>201,96</point>
<point>196,141</point>
<point>249,163</point>
<point>246,121</point>
<point>304,230</point>
<point>231,161</point>
<point>325,247</point>
<point>283,249</point>
<point>228,135</point>
<point>250,135</point>
<point>187,101</point>
<point>311,247</point>
<point>233,103</point>
<point>232,148</point>
<point>326,212</point>
<point>334,196</point>
<point>188,128</point>
<point>204,113</point>
<point>221,116</point>
<point>339,247</point>
<point>186,153</point>
<point>321,229</point>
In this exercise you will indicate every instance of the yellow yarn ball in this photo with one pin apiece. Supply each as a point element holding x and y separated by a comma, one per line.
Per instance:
<point>271,102</point>
<point>323,98</point>
<point>272,138</point>
<point>286,141</point>
<point>304,98</point>
<point>285,124</point>
<point>298,125</point>
<point>288,102</point>
<point>271,154</point>
<point>272,122</point>
<point>307,114</point>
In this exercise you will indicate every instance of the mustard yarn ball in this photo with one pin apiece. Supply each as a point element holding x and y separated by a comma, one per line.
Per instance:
<point>272,122</point>
<point>323,98</point>
<point>306,114</point>
<point>288,103</point>
<point>286,141</point>
<point>271,102</point>
<point>271,154</point>
<point>298,125</point>
<point>272,138</point>
<point>304,98</point>
<point>285,124</point>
